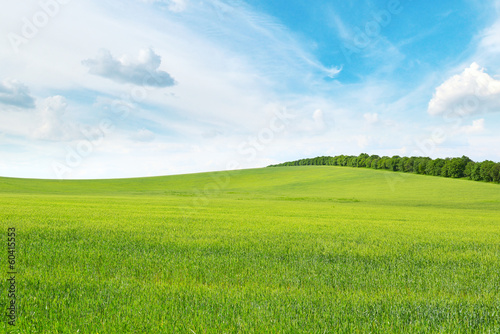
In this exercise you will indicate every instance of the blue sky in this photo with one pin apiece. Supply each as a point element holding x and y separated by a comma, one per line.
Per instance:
<point>101,89</point>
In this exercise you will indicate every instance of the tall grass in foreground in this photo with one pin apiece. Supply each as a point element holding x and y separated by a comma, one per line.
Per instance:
<point>281,250</point>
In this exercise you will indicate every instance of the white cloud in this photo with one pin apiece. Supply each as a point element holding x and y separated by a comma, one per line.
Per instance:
<point>476,127</point>
<point>143,135</point>
<point>362,141</point>
<point>318,119</point>
<point>48,121</point>
<point>51,125</point>
<point>16,94</point>
<point>175,6</point>
<point>471,92</point>
<point>332,72</point>
<point>343,31</point>
<point>491,38</point>
<point>143,72</point>
<point>371,118</point>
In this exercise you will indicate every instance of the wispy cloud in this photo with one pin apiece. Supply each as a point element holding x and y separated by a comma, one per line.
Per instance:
<point>342,29</point>
<point>262,40</point>
<point>175,6</point>
<point>143,135</point>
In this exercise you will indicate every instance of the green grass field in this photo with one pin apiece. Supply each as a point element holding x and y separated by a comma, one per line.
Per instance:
<point>275,250</point>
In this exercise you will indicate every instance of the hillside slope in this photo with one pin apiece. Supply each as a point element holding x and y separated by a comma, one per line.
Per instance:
<point>306,183</point>
<point>313,249</point>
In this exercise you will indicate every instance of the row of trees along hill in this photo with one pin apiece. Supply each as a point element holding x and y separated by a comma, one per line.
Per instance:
<point>463,167</point>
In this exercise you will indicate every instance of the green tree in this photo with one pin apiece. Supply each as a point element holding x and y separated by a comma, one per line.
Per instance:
<point>382,163</point>
<point>401,164</point>
<point>392,163</point>
<point>362,159</point>
<point>438,166</point>
<point>476,172</point>
<point>457,166</point>
<point>495,173</point>
<point>468,169</point>
<point>486,170</point>
<point>445,169</point>
<point>421,165</point>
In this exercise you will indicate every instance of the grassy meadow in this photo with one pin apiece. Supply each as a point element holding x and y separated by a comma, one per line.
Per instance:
<point>313,249</point>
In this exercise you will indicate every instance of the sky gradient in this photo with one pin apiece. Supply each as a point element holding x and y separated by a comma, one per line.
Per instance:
<point>108,89</point>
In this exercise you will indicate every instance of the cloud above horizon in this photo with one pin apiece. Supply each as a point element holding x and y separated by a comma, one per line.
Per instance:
<point>471,92</point>
<point>175,6</point>
<point>476,127</point>
<point>15,93</point>
<point>51,125</point>
<point>371,118</point>
<point>144,71</point>
<point>217,74</point>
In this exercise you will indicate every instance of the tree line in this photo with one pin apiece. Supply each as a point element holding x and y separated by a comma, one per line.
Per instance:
<point>463,167</point>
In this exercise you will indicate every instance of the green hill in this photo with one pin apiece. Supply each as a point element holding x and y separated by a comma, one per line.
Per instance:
<point>288,249</point>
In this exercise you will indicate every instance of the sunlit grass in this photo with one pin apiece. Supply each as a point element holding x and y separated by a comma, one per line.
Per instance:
<point>283,250</point>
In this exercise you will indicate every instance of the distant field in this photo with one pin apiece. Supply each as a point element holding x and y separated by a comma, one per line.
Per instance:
<point>312,249</point>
